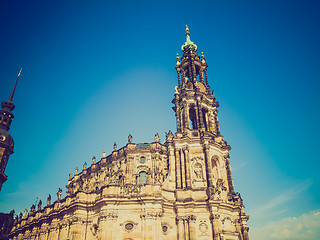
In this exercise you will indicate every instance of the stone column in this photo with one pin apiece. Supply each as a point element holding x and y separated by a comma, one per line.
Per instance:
<point>193,70</point>
<point>181,233</point>
<point>200,113</point>
<point>106,222</point>
<point>196,109</point>
<point>217,124</point>
<point>64,230</point>
<point>186,116</point>
<point>157,231</point>
<point>245,233</point>
<point>214,218</point>
<point>172,165</point>
<point>186,228</point>
<point>206,77</point>
<point>102,224</point>
<point>192,227</point>
<point>206,149</point>
<point>187,159</point>
<point>149,227</point>
<point>183,170</point>
<point>178,169</point>
<point>178,118</point>
<point>201,76</point>
<point>230,180</point>
<point>143,226</point>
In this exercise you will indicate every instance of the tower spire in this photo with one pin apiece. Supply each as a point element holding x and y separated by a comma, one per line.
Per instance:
<point>6,141</point>
<point>195,106</point>
<point>14,88</point>
<point>188,45</point>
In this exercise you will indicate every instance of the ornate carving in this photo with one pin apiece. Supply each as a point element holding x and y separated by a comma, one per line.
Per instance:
<point>203,227</point>
<point>108,216</point>
<point>131,190</point>
<point>214,217</point>
<point>151,215</point>
<point>197,168</point>
<point>94,229</point>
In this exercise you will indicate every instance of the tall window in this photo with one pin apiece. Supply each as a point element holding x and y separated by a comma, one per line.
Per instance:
<point>204,118</point>
<point>193,118</point>
<point>142,178</point>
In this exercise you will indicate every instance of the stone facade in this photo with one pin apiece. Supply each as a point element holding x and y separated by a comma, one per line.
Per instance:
<point>179,189</point>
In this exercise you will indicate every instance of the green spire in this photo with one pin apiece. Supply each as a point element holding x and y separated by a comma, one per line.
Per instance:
<point>188,45</point>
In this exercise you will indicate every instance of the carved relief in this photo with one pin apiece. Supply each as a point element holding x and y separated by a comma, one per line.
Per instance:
<point>131,190</point>
<point>94,229</point>
<point>197,168</point>
<point>228,224</point>
<point>197,172</point>
<point>203,227</point>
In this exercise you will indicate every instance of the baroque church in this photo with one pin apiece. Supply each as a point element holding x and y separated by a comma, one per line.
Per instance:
<point>180,189</point>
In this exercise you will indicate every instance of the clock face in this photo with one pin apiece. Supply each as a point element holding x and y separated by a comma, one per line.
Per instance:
<point>2,138</point>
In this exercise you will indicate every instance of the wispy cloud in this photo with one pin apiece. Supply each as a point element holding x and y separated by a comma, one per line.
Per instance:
<point>306,226</point>
<point>282,198</point>
<point>239,166</point>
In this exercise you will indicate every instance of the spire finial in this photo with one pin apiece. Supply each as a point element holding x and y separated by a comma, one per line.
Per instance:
<point>187,30</point>
<point>188,44</point>
<point>14,88</point>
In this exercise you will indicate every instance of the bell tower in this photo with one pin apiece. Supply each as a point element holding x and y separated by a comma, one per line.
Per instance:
<point>201,165</point>
<point>195,105</point>
<point>6,141</point>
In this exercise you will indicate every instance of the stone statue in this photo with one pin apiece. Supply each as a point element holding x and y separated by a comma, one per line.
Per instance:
<point>84,166</point>
<point>156,138</point>
<point>176,90</point>
<point>33,209</point>
<point>104,153</point>
<point>39,205</point>
<point>59,193</point>
<point>25,213</point>
<point>169,135</point>
<point>93,160</point>
<point>130,138</point>
<point>114,147</point>
<point>49,200</point>
<point>20,216</point>
<point>77,171</point>
<point>70,176</point>
<point>198,170</point>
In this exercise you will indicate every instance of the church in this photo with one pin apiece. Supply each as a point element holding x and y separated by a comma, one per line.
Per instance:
<point>180,189</point>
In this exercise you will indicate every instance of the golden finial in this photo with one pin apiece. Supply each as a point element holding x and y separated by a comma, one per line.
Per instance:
<point>19,72</point>
<point>187,29</point>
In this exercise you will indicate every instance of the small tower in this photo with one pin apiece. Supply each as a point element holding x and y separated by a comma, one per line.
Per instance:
<point>6,141</point>
<point>201,155</point>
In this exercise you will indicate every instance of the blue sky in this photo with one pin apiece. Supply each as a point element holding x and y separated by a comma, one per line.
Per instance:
<point>96,71</point>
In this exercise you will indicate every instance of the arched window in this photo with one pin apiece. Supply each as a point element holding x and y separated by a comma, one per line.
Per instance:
<point>193,118</point>
<point>142,178</point>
